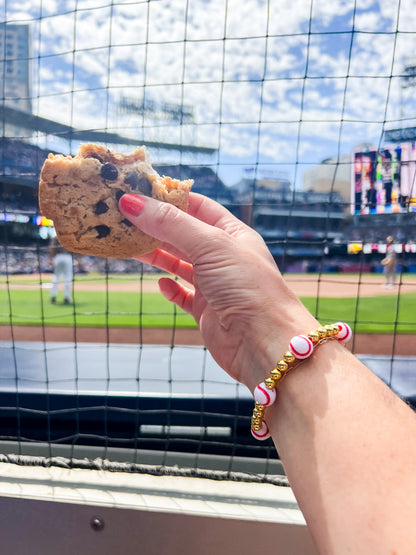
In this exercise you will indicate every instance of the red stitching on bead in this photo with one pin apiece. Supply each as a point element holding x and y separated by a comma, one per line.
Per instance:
<point>266,393</point>
<point>257,433</point>
<point>303,355</point>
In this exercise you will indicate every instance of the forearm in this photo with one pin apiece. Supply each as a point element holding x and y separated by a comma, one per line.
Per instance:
<point>347,442</point>
<point>348,447</point>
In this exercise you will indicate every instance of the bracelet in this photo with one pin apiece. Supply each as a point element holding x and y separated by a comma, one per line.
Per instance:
<point>300,348</point>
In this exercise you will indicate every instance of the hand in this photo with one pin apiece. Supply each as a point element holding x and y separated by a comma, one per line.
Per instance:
<point>244,309</point>
<point>330,407</point>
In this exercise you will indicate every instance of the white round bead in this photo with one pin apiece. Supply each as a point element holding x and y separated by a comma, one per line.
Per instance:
<point>263,433</point>
<point>345,332</point>
<point>301,346</point>
<point>264,396</point>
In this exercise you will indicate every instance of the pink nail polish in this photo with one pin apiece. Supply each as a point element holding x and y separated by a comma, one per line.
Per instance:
<point>132,204</point>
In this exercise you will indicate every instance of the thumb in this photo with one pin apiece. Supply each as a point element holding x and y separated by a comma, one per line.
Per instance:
<point>166,222</point>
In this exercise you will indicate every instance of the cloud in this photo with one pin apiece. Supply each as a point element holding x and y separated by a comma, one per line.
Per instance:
<point>282,81</point>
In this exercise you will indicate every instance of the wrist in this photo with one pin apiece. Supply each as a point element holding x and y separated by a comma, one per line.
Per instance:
<point>271,339</point>
<point>301,349</point>
<point>305,386</point>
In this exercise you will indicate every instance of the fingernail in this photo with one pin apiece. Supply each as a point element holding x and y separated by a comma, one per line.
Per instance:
<point>132,204</point>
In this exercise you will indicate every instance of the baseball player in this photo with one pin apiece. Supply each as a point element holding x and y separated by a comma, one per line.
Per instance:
<point>389,263</point>
<point>61,261</point>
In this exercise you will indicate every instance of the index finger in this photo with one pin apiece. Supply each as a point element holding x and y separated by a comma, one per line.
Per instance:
<point>211,212</point>
<point>170,225</point>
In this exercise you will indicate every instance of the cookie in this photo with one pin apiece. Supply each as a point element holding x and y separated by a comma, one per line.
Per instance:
<point>80,194</point>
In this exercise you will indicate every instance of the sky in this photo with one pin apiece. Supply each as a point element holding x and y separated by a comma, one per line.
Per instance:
<point>275,86</point>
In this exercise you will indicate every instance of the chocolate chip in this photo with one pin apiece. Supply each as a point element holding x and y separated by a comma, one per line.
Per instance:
<point>119,194</point>
<point>100,208</point>
<point>141,184</point>
<point>109,172</point>
<point>127,223</point>
<point>102,231</point>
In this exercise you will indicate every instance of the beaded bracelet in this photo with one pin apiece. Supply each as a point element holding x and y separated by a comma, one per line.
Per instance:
<point>300,348</point>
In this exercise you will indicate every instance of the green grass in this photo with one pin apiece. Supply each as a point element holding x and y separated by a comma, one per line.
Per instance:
<point>384,314</point>
<point>115,309</point>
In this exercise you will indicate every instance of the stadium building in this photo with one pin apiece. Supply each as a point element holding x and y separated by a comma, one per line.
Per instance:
<point>299,227</point>
<point>332,175</point>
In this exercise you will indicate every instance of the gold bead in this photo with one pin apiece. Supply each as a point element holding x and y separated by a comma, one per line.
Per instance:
<point>329,330</point>
<point>321,332</point>
<point>282,366</point>
<point>335,330</point>
<point>258,406</point>
<point>289,357</point>
<point>256,427</point>
<point>256,421</point>
<point>269,383</point>
<point>275,374</point>
<point>313,336</point>
<point>258,412</point>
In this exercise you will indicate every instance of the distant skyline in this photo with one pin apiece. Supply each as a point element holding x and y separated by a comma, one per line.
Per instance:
<point>15,75</point>
<point>294,81</point>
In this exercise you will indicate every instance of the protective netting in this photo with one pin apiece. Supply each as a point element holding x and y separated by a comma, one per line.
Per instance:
<point>298,116</point>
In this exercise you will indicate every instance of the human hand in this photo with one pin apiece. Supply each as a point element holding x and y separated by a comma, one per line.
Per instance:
<point>243,307</point>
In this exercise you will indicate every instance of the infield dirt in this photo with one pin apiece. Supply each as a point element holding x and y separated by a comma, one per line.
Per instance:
<point>304,285</point>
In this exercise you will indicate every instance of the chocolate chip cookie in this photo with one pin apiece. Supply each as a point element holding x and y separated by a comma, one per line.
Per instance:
<point>80,194</point>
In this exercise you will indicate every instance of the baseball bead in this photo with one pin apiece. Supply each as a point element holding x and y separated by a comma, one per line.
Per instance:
<point>301,346</point>
<point>264,396</point>
<point>345,332</point>
<point>263,433</point>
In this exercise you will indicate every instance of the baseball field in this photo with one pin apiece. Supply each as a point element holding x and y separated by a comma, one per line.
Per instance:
<point>128,308</point>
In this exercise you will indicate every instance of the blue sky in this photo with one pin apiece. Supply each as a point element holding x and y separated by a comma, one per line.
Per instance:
<point>278,85</point>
